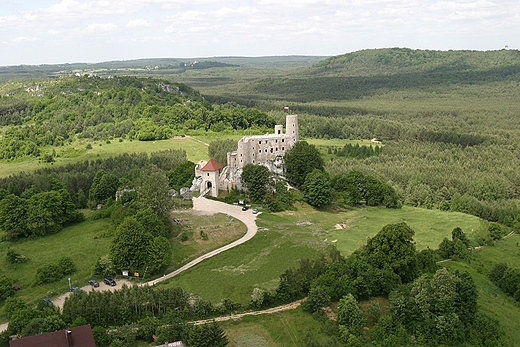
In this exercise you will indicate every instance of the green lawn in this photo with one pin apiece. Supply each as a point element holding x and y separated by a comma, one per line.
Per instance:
<point>430,226</point>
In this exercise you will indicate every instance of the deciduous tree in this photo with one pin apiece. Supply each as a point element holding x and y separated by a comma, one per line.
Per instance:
<point>257,180</point>
<point>316,189</point>
<point>301,160</point>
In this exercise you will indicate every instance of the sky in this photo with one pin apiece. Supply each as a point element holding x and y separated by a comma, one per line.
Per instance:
<point>71,31</point>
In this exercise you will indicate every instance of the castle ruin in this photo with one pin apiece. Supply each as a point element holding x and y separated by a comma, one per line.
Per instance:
<point>265,150</point>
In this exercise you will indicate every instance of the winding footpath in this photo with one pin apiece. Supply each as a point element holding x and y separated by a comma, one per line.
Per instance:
<point>202,206</point>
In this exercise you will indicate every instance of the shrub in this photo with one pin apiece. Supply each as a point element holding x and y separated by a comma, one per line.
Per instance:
<point>54,272</point>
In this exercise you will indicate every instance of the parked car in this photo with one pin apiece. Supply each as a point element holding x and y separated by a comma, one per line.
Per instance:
<point>110,282</point>
<point>93,283</point>
<point>73,289</point>
<point>255,211</point>
<point>48,301</point>
<point>245,208</point>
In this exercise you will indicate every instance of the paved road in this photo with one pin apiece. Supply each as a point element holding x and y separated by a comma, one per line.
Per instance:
<point>206,206</point>
<point>201,205</point>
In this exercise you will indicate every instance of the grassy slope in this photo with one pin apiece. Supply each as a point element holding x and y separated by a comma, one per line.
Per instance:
<point>283,329</point>
<point>286,237</point>
<point>195,151</point>
<point>83,243</point>
<point>491,299</point>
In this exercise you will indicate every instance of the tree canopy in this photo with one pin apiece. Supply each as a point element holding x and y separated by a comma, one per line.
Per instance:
<point>301,160</point>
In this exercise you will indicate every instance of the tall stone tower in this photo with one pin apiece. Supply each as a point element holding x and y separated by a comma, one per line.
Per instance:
<point>291,128</point>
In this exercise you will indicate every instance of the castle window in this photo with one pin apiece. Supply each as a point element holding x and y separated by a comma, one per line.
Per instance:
<point>277,149</point>
<point>253,161</point>
<point>266,151</point>
<point>283,140</point>
<point>279,131</point>
<point>283,148</point>
<point>259,151</point>
<point>208,173</point>
<point>271,150</point>
<point>240,154</point>
<point>276,140</point>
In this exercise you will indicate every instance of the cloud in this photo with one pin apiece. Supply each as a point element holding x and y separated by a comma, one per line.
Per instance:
<point>101,27</point>
<point>24,39</point>
<point>137,23</point>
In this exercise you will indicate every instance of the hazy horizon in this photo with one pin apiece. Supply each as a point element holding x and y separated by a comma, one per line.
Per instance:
<point>36,32</point>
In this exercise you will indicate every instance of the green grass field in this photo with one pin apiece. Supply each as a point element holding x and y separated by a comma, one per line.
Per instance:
<point>283,329</point>
<point>84,243</point>
<point>286,237</point>
<point>220,231</point>
<point>195,151</point>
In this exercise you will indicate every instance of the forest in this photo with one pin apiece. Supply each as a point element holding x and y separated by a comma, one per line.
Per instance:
<point>445,124</point>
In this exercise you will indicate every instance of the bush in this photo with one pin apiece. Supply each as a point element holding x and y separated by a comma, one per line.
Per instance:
<point>54,272</point>
<point>13,257</point>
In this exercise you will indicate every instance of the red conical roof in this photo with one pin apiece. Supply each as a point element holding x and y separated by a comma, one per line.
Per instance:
<point>212,165</point>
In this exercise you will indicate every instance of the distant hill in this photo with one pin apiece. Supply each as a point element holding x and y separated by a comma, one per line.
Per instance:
<point>388,61</point>
<point>152,66</point>
<point>367,72</point>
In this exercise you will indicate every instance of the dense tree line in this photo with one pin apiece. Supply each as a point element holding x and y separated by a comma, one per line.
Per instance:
<point>470,180</point>
<point>78,177</point>
<point>104,108</point>
<point>121,318</point>
<point>37,213</point>
<point>356,151</point>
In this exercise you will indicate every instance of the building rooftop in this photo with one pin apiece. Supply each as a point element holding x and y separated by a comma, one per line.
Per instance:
<point>73,337</point>
<point>212,165</point>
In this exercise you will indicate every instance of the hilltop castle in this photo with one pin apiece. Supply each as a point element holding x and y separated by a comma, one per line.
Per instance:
<point>265,150</point>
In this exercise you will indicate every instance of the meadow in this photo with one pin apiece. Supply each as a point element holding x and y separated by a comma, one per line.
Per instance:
<point>286,237</point>
<point>287,329</point>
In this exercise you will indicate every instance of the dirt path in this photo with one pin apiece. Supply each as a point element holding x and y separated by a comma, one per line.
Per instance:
<point>203,206</point>
<point>204,143</point>
<point>206,206</point>
<point>287,307</point>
